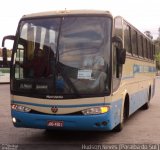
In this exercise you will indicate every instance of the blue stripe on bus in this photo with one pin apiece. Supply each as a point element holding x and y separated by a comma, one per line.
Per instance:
<point>72,122</point>
<point>59,106</point>
<point>143,69</point>
<point>80,122</point>
<point>140,69</point>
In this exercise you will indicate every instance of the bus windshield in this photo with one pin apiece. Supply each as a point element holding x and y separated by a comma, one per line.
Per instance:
<point>63,55</point>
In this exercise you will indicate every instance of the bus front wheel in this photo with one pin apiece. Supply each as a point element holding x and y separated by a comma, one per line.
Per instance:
<point>124,116</point>
<point>119,127</point>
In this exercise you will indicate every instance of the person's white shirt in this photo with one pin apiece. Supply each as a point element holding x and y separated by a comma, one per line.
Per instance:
<point>94,62</point>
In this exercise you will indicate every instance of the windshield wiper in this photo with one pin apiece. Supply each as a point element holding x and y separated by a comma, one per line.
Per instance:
<point>59,67</point>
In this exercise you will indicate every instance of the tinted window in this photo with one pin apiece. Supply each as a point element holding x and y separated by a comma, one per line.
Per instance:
<point>73,53</point>
<point>134,42</point>
<point>147,50</point>
<point>127,40</point>
<point>144,48</point>
<point>140,48</point>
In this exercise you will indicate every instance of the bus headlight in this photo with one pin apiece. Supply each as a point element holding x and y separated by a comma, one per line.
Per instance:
<point>96,110</point>
<point>14,120</point>
<point>20,108</point>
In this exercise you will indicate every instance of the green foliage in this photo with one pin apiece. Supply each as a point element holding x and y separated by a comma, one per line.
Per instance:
<point>0,52</point>
<point>148,33</point>
<point>157,50</point>
<point>4,70</point>
<point>157,56</point>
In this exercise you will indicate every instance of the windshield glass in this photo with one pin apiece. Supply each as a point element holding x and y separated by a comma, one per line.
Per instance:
<point>71,55</point>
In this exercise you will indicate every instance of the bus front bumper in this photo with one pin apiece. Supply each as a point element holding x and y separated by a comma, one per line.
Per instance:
<point>100,122</point>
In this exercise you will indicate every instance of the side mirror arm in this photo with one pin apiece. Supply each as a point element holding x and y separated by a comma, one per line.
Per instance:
<point>118,40</point>
<point>9,37</point>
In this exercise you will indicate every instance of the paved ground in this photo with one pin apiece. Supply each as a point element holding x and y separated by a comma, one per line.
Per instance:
<point>142,128</point>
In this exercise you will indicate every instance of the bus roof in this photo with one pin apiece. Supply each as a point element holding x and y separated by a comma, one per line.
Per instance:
<point>67,12</point>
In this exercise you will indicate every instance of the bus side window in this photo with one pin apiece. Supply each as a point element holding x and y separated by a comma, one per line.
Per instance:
<point>140,46</point>
<point>134,42</point>
<point>148,50</point>
<point>127,40</point>
<point>145,47</point>
<point>19,60</point>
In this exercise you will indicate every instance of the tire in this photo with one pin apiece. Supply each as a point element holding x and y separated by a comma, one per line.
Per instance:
<point>146,105</point>
<point>124,116</point>
<point>120,126</point>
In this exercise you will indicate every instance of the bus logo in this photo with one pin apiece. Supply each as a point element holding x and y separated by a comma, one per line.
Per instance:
<point>54,97</point>
<point>54,109</point>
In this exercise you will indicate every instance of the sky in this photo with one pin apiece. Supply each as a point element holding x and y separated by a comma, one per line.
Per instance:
<point>143,14</point>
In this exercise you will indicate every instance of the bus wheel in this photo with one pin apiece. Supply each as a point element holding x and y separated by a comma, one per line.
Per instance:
<point>119,127</point>
<point>146,105</point>
<point>125,114</point>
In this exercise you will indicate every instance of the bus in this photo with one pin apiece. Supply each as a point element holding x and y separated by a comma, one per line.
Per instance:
<point>79,70</point>
<point>5,59</point>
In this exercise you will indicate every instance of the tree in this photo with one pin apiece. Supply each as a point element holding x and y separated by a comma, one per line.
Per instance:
<point>148,33</point>
<point>158,39</point>
<point>157,50</point>
<point>157,58</point>
<point>0,52</point>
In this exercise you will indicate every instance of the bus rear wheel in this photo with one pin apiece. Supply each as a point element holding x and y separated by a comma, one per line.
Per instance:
<point>146,105</point>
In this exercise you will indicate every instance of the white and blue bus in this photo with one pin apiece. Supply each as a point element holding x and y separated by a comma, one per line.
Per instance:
<point>79,70</point>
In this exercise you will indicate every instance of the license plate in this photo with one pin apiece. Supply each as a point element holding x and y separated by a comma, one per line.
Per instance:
<point>55,123</point>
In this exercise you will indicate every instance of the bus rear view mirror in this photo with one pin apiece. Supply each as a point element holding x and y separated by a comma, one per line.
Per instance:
<point>121,56</point>
<point>118,41</point>
<point>9,37</point>
<point>121,53</point>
